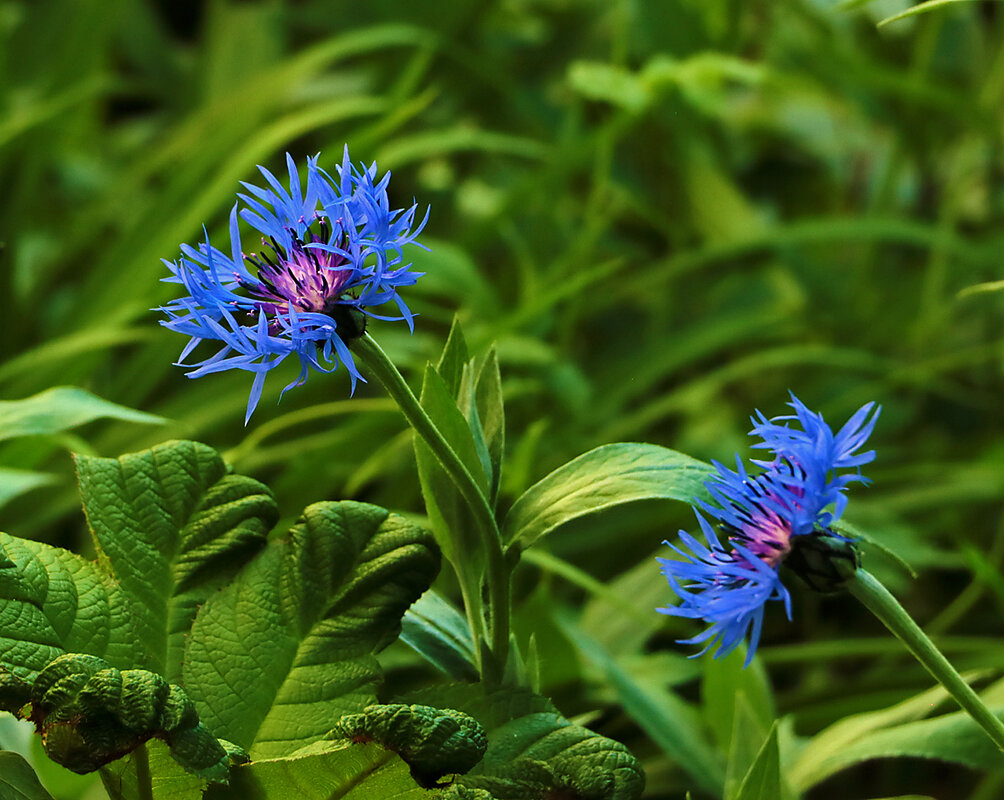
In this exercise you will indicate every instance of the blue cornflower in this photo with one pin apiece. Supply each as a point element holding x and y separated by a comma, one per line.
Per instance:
<point>800,493</point>
<point>331,251</point>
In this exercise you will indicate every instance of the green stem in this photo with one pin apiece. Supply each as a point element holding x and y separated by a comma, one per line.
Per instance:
<point>377,361</point>
<point>144,783</point>
<point>883,605</point>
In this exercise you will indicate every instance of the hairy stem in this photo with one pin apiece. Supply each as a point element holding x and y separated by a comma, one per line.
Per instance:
<point>378,363</point>
<point>883,605</point>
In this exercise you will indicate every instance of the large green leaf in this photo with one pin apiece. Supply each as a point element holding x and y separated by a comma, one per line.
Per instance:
<point>607,476</point>
<point>169,525</point>
<point>287,648</point>
<point>60,409</point>
<point>18,780</point>
<point>173,527</point>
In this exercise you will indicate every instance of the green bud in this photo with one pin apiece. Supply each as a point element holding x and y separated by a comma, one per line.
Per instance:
<point>823,560</point>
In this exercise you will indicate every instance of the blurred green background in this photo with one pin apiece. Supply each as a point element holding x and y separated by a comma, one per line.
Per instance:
<point>666,212</point>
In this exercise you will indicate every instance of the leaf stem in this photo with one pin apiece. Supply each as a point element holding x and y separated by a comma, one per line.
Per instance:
<point>877,599</point>
<point>144,781</point>
<point>378,362</point>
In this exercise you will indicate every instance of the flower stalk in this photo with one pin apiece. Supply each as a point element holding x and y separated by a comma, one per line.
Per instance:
<point>379,364</point>
<point>877,599</point>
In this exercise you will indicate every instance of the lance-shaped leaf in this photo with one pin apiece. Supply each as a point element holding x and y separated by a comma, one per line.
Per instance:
<point>59,409</point>
<point>602,478</point>
<point>170,526</point>
<point>280,654</point>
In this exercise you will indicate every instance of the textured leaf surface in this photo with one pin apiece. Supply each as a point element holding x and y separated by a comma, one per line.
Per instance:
<point>602,478</point>
<point>18,780</point>
<point>60,409</point>
<point>54,602</point>
<point>287,648</point>
<point>433,742</point>
<point>173,527</point>
<point>90,714</point>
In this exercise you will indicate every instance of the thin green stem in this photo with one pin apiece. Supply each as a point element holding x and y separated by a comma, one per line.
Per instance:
<point>378,363</point>
<point>144,782</point>
<point>883,605</point>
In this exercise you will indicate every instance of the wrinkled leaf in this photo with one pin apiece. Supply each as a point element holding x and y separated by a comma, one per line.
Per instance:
<point>283,651</point>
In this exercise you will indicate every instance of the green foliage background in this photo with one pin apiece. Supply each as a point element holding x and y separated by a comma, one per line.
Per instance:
<point>666,212</point>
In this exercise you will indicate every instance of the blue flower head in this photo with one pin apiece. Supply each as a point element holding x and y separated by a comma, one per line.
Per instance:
<point>331,252</point>
<point>799,493</point>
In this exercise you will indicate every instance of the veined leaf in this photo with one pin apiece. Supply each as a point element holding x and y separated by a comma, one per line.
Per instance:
<point>607,476</point>
<point>90,714</point>
<point>173,527</point>
<point>287,648</point>
<point>169,526</point>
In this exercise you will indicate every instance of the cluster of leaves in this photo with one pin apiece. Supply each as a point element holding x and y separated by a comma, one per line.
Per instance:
<point>664,213</point>
<point>268,643</point>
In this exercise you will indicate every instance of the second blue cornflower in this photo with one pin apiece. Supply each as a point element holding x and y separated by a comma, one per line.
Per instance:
<point>783,514</point>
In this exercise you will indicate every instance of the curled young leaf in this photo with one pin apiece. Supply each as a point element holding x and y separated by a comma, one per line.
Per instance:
<point>90,714</point>
<point>433,741</point>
